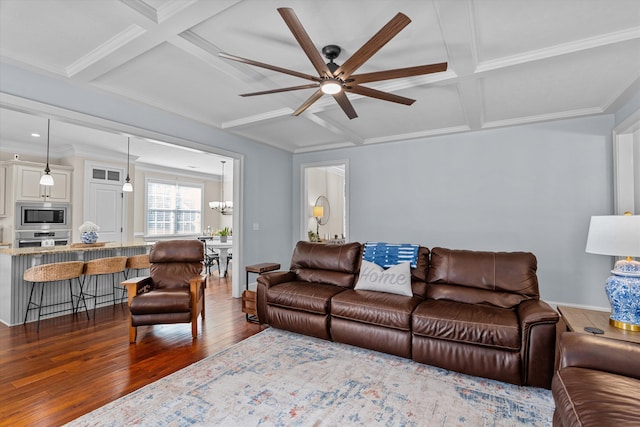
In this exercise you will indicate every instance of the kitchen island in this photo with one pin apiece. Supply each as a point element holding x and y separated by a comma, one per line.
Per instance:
<point>14,291</point>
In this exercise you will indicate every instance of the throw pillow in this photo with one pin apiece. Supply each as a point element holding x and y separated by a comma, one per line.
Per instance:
<point>395,280</point>
<point>390,254</point>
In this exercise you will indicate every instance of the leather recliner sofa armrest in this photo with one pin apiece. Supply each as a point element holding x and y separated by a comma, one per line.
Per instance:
<point>599,353</point>
<point>536,311</point>
<point>265,281</point>
<point>538,323</point>
<point>275,278</point>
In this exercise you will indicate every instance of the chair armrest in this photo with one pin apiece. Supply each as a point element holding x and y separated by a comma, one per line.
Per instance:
<point>196,284</point>
<point>599,353</point>
<point>136,286</point>
<point>275,278</point>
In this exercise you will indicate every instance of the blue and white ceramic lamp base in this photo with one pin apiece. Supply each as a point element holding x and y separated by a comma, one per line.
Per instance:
<point>623,290</point>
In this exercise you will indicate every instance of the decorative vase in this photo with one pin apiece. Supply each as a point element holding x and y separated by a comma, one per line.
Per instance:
<point>89,237</point>
<point>223,239</point>
<point>623,290</point>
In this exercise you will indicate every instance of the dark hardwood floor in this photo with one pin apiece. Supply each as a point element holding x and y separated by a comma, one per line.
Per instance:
<point>74,365</point>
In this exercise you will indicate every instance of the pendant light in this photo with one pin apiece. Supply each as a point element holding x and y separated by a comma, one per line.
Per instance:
<point>47,179</point>
<point>127,187</point>
<point>222,206</point>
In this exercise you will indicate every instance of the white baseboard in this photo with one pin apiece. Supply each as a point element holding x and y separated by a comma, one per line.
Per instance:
<point>555,305</point>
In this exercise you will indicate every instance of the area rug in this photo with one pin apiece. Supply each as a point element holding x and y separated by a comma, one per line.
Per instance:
<point>278,378</point>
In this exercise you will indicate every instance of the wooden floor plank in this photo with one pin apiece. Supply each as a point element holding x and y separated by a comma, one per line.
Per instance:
<point>74,365</point>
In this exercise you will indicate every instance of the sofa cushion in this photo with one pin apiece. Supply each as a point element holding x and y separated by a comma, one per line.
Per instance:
<point>506,273</point>
<point>375,308</point>
<point>470,295</point>
<point>394,280</point>
<point>324,263</point>
<point>305,296</point>
<point>590,397</point>
<point>469,323</point>
<point>172,300</point>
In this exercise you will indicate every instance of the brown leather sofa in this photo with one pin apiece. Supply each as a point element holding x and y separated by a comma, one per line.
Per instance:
<point>483,317</point>
<point>472,312</point>
<point>597,382</point>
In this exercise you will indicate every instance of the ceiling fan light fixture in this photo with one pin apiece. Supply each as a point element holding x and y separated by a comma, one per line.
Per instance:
<point>331,86</point>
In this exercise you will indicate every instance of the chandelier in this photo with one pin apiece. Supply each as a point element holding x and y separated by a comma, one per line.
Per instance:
<point>222,206</point>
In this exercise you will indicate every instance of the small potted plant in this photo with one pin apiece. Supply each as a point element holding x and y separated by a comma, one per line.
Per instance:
<point>89,232</point>
<point>224,233</point>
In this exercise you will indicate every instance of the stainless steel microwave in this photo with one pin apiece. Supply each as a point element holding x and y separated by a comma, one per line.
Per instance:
<point>30,216</point>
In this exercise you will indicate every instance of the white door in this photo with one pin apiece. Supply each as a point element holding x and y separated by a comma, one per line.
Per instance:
<point>105,203</point>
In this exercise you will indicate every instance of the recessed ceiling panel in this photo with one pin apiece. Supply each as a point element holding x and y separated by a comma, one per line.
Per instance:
<point>506,28</point>
<point>436,107</point>
<point>171,79</point>
<point>562,86</point>
<point>53,34</point>
<point>291,133</point>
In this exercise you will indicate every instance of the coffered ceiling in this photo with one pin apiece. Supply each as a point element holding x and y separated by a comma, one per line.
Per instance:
<point>510,61</point>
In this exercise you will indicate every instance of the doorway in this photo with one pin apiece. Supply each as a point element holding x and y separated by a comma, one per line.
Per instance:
<point>325,201</point>
<point>104,202</point>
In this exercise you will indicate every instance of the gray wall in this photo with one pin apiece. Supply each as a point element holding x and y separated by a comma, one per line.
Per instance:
<point>525,188</point>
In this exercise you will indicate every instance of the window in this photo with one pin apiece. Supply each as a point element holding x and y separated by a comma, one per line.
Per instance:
<point>173,208</point>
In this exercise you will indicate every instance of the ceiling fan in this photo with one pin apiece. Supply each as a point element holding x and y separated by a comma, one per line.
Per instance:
<point>336,80</point>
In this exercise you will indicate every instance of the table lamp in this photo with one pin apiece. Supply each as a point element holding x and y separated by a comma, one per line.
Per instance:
<point>318,212</point>
<point>619,235</point>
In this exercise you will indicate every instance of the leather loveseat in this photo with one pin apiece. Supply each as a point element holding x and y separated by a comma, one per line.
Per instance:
<point>597,382</point>
<point>473,312</point>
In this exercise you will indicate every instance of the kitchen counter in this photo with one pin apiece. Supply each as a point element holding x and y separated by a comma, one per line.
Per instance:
<point>14,291</point>
<point>79,247</point>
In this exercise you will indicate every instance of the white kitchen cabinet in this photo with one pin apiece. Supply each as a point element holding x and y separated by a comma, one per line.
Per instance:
<point>28,188</point>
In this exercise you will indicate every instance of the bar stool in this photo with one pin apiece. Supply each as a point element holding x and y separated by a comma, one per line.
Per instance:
<point>137,262</point>
<point>48,273</point>
<point>100,267</point>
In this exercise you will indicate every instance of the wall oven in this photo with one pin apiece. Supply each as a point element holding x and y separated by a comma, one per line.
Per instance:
<point>35,239</point>
<point>42,224</point>
<point>42,216</point>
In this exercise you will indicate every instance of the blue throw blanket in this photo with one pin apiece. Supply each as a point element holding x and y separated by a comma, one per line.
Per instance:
<point>390,254</point>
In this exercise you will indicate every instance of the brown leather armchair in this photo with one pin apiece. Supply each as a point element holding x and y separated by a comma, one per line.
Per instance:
<point>174,290</point>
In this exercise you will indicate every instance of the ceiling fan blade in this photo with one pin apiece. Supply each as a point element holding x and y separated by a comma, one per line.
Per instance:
<point>398,73</point>
<point>269,67</point>
<point>374,44</point>
<point>385,96</point>
<point>345,104</point>
<point>284,89</point>
<point>304,41</point>
<point>313,98</point>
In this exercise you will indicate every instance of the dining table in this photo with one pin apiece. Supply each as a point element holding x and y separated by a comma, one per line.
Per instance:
<point>214,245</point>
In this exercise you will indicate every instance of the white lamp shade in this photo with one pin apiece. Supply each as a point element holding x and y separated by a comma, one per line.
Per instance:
<point>127,187</point>
<point>318,211</point>
<point>615,235</point>
<point>46,179</point>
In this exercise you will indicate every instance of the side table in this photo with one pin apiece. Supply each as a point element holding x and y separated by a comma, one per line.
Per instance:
<point>249,297</point>
<point>577,318</point>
